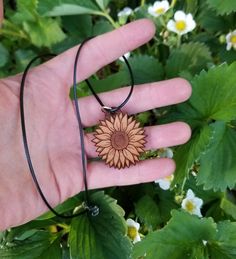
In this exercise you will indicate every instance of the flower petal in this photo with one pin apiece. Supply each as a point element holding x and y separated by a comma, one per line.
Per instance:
<point>110,125</point>
<point>130,223</point>
<point>105,129</point>
<point>104,136</point>
<point>122,159</point>
<point>117,123</point>
<point>124,122</point>
<point>128,155</point>
<point>180,15</point>
<point>137,137</point>
<point>171,26</point>
<point>132,149</point>
<point>104,143</point>
<point>136,144</point>
<point>190,194</point>
<point>98,131</point>
<point>105,151</point>
<point>116,158</point>
<point>110,155</point>
<point>137,125</point>
<point>130,126</point>
<point>136,131</point>
<point>198,202</point>
<point>137,238</point>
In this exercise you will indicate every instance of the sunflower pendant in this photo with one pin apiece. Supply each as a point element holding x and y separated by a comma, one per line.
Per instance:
<point>119,140</point>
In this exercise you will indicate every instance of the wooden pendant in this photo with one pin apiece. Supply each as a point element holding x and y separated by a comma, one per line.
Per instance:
<point>119,140</point>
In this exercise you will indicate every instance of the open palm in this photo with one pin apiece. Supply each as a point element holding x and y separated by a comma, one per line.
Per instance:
<point>53,131</point>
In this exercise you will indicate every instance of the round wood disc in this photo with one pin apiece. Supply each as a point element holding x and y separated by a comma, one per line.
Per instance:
<point>119,140</point>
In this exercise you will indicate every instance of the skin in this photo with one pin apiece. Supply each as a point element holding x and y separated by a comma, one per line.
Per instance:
<point>1,12</point>
<point>53,132</point>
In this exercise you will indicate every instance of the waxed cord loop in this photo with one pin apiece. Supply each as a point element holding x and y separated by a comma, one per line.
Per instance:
<point>88,207</point>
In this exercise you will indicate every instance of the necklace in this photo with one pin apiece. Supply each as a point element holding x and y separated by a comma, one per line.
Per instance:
<point>119,138</point>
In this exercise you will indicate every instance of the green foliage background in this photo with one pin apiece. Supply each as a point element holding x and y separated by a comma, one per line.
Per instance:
<point>38,26</point>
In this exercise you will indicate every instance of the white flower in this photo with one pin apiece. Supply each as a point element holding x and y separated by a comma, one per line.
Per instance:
<point>192,204</point>
<point>166,152</point>
<point>127,11</point>
<point>133,228</point>
<point>127,55</point>
<point>182,23</point>
<point>165,183</point>
<point>124,14</point>
<point>158,8</point>
<point>231,40</point>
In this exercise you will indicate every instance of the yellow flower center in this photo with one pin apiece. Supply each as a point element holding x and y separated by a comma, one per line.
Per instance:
<point>190,206</point>
<point>132,232</point>
<point>233,39</point>
<point>180,25</point>
<point>160,10</point>
<point>169,177</point>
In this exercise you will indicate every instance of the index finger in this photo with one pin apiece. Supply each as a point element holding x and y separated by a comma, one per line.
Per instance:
<point>100,51</point>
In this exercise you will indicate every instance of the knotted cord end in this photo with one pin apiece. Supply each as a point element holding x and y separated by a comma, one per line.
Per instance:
<point>92,209</point>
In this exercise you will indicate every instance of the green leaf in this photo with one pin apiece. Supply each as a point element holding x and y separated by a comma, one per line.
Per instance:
<point>218,165</point>
<point>148,212</point>
<point>23,57</point>
<point>101,236</point>
<point>80,26</point>
<point>54,251</point>
<point>182,237</point>
<point>45,32</point>
<point>228,204</point>
<point>187,154</point>
<point>66,206</point>
<point>30,248</point>
<point>191,57</point>
<point>211,22</point>
<point>111,82</point>
<point>145,69</point>
<point>26,11</point>
<point>225,244</point>
<point>102,3</point>
<point>222,7</point>
<point>214,93</point>
<point>4,54</point>
<point>101,27</point>
<point>66,7</point>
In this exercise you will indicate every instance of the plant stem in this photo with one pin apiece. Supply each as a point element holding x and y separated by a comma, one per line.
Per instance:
<point>173,3</point>
<point>110,19</point>
<point>178,40</point>
<point>142,2</point>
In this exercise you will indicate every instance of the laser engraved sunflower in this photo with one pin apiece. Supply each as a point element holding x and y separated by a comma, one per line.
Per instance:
<point>119,140</point>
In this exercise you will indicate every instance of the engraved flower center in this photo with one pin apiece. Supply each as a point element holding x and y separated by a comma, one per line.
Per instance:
<point>119,140</point>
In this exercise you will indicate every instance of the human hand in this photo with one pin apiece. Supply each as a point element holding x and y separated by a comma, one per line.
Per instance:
<point>53,131</point>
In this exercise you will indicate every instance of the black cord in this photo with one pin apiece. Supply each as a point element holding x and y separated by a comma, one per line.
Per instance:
<point>88,207</point>
<point>109,109</point>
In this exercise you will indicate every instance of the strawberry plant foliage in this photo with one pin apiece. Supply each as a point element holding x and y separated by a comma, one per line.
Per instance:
<point>102,236</point>
<point>206,164</point>
<point>217,164</point>
<point>188,236</point>
<point>222,7</point>
<point>213,94</point>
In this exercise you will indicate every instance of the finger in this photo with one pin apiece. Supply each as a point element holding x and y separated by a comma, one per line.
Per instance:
<point>145,97</point>
<point>100,51</point>
<point>1,12</point>
<point>100,175</point>
<point>167,135</point>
